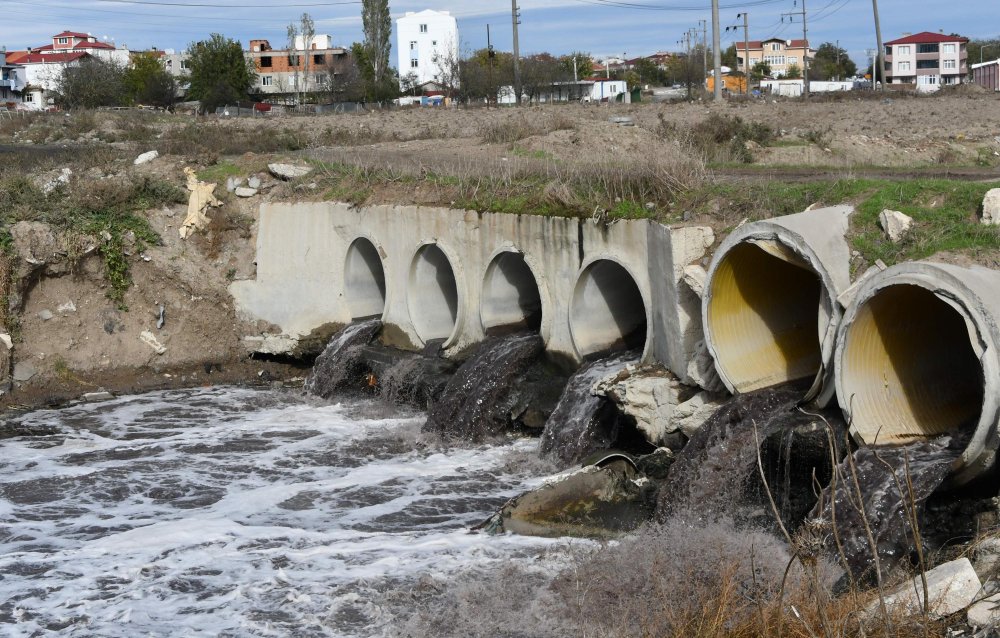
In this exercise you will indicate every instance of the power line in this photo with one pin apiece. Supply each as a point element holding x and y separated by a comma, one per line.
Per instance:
<point>159,3</point>
<point>625,4</point>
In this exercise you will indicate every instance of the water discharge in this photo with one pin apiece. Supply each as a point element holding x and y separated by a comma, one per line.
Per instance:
<point>341,363</point>
<point>234,512</point>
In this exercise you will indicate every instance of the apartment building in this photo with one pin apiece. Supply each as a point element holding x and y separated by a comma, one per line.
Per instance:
<point>928,60</point>
<point>426,45</point>
<point>779,54</point>
<point>12,82</point>
<point>308,67</point>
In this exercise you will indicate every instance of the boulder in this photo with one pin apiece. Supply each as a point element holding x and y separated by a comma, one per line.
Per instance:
<point>951,587</point>
<point>289,171</point>
<point>895,224</point>
<point>592,502</point>
<point>146,158</point>
<point>986,612</point>
<point>45,314</point>
<point>991,207</point>
<point>48,182</point>
<point>986,558</point>
<point>24,370</point>
<point>254,182</point>
<point>243,191</point>
<point>232,183</point>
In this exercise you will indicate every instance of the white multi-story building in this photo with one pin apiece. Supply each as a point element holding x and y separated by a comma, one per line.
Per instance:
<point>426,44</point>
<point>929,60</point>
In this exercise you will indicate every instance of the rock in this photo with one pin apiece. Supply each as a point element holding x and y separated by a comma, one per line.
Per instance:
<point>45,315</point>
<point>67,307</point>
<point>991,207</point>
<point>895,224</point>
<point>6,340</point>
<point>594,502</point>
<point>146,158</point>
<point>58,179</point>
<point>289,171</point>
<point>93,397</point>
<point>621,120</point>
<point>254,182</point>
<point>233,183</point>
<point>986,612</point>
<point>150,340</point>
<point>986,558</point>
<point>243,191</point>
<point>656,465</point>
<point>695,277</point>
<point>23,371</point>
<point>690,415</point>
<point>650,206</point>
<point>951,587</point>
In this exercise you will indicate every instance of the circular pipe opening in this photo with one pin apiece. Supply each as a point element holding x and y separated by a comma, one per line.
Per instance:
<point>908,368</point>
<point>510,300</point>
<point>763,317</point>
<point>432,294</point>
<point>607,312</point>
<point>364,280</point>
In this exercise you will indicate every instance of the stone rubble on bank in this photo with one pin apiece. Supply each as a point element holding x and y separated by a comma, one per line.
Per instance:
<point>146,158</point>
<point>951,587</point>
<point>289,171</point>
<point>896,225</point>
<point>991,207</point>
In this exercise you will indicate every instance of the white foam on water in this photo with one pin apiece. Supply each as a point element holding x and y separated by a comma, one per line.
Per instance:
<point>234,512</point>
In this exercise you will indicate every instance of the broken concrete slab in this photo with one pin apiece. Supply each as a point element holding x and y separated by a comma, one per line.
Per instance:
<point>289,171</point>
<point>896,225</point>
<point>243,191</point>
<point>951,587</point>
<point>150,340</point>
<point>985,613</point>
<point>94,397</point>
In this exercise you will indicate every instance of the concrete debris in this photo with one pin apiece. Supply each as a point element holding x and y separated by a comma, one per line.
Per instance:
<point>146,158</point>
<point>232,183</point>
<point>254,182</point>
<point>847,296</point>
<point>986,612</point>
<point>24,370</point>
<point>289,171</point>
<point>895,224</point>
<point>694,278</point>
<point>244,191</point>
<point>45,314</point>
<point>991,207</point>
<point>67,307</point>
<point>6,340</point>
<point>150,340</point>
<point>951,587</point>
<point>94,397</point>
<point>202,197</point>
<point>62,179</point>
<point>621,120</point>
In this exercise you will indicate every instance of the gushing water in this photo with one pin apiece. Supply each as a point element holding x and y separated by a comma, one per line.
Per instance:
<point>235,512</point>
<point>340,365</point>
<point>582,422</point>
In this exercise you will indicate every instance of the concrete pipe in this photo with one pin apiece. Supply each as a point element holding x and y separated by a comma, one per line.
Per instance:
<point>770,307</point>
<point>917,357</point>
<point>607,312</point>
<point>432,294</point>
<point>364,280</point>
<point>510,299</point>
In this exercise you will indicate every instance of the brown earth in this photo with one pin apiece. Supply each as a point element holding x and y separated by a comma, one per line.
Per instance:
<point>77,340</point>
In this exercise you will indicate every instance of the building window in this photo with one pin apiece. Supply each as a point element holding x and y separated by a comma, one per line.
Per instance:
<point>927,48</point>
<point>947,48</point>
<point>927,64</point>
<point>927,79</point>
<point>414,63</point>
<point>293,60</point>
<point>265,62</point>
<point>949,64</point>
<point>903,66</point>
<point>423,28</point>
<point>319,59</point>
<point>185,64</point>
<point>793,60</point>
<point>775,46</point>
<point>413,45</point>
<point>63,40</point>
<point>169,64</point>
<point>434,43</point>
<point>29,97</point>
<point>266,80</point>
<point>902,50</point>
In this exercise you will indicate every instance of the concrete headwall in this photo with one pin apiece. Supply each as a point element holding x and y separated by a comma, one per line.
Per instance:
<point>451,275</point>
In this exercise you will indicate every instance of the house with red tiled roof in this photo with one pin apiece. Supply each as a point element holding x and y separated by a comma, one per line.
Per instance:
<point>927,60</point>
<point>779,54</point>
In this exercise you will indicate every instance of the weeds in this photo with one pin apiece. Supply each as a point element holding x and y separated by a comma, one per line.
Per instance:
<point>719,138</point>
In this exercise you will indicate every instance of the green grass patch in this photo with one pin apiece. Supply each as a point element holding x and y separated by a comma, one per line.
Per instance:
<point>218,173</point>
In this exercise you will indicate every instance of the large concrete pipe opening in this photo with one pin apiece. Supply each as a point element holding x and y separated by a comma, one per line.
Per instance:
<point>510,300</point>
<point>917,358</point>
<point>607,312</point>
<point>770,312</point>
<point>364,280</point>
<point>432,294</point>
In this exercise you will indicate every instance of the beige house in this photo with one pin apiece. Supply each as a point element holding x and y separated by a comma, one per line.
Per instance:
<point>779,54</point>
<point>928,60</point>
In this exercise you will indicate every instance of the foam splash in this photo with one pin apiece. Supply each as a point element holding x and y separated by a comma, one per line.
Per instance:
<point>238,512</point>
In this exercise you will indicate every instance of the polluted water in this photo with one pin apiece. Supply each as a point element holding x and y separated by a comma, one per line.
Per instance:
<point>241,512</point>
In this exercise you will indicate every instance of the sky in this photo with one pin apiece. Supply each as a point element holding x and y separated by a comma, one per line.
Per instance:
<point>601,27</point>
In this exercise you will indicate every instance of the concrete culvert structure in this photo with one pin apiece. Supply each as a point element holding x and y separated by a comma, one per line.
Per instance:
<point>432,294</point>
<point>917,357</point>
<point>510,299</point>
<point>770,308</point>
<point>364,280</point>
<point>607,312</point>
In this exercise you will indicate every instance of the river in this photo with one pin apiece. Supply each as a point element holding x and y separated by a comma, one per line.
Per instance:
<point>241,512</point>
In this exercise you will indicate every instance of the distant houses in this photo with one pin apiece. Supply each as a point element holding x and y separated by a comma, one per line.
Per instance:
<point>927,60</point>
<point>427,51</point>
<point>305,68</point>
<point>778,54</point>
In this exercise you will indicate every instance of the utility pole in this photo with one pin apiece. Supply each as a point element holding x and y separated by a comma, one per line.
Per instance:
<point>704,52</point>
<point>881,47</point>
<point>805,44</point>
<point>490,57</point>
<point>838,60</point>
<point>516,20</point>
<point>716,52</point>
<point>746,51</point>
<point>687,61</point>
